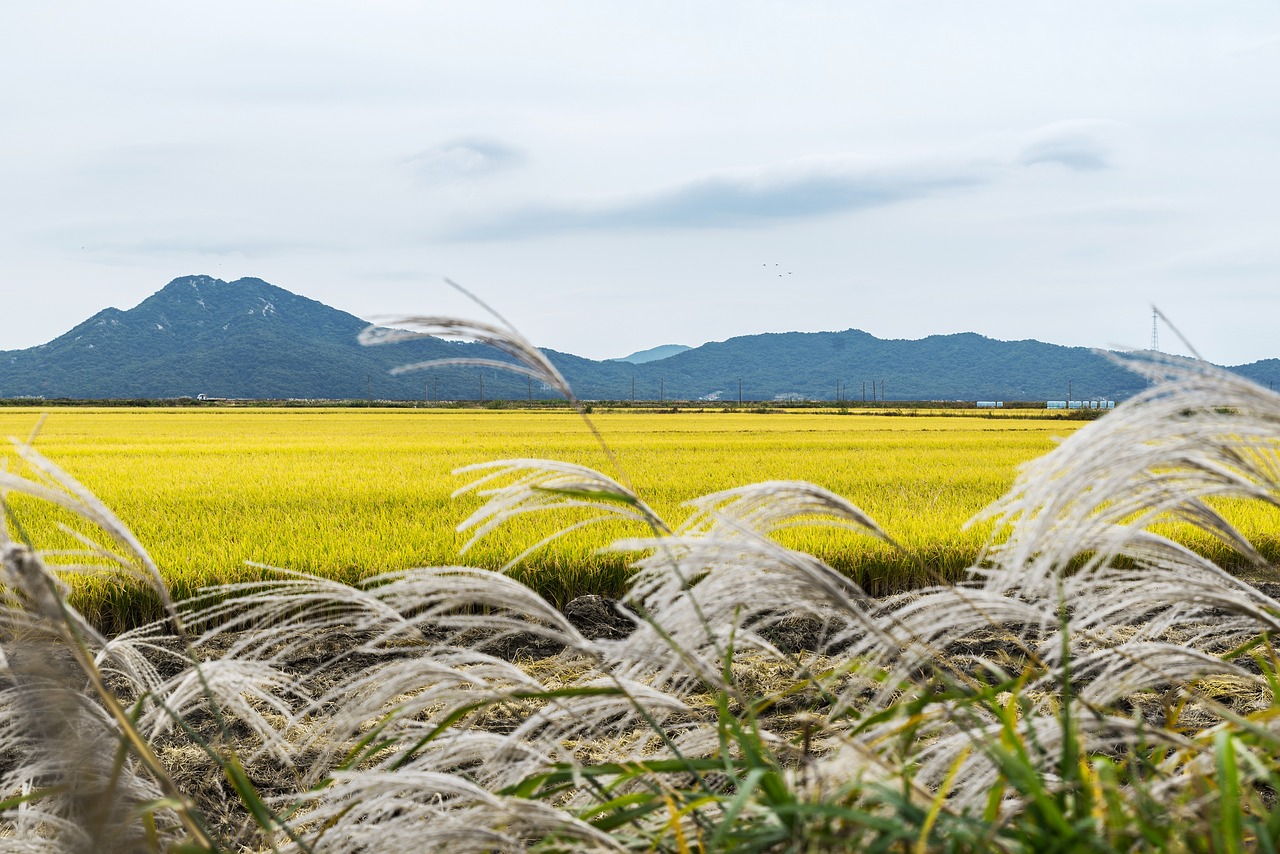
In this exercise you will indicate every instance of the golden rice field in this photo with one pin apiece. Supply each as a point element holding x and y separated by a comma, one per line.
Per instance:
<point>348,493</point>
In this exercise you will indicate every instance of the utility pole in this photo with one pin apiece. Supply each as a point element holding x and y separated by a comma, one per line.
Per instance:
<point>482,386</point>
<point>426,391</point>
<point>633,390</point>
<point>882,391</point>
<point>530,381</point>
<point>662,390</point>
<point>1068,394</point>
<point>864,391</point>
<point>739,391</point>
<point>368,388</point>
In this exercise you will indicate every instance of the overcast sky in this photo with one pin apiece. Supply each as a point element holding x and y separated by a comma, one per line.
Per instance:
<point>614,176</point>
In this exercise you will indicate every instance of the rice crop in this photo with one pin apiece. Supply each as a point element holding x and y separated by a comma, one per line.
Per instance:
<point>1090,684</point>
<point>348,493</point>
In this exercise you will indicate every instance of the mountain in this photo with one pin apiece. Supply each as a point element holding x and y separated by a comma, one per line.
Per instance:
<point>653,354</point>
<point>247,338</point>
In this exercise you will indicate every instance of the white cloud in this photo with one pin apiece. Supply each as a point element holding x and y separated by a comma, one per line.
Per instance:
<point>470,157</point>
<point>799,189</point>
<point>1079,145</point>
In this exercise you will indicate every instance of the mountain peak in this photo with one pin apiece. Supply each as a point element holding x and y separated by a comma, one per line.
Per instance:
<point>654,354</point>
<point>193,281</point>
<point>200,299</point>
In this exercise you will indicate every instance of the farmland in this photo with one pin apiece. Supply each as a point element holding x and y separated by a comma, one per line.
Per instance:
<point>347,493</point>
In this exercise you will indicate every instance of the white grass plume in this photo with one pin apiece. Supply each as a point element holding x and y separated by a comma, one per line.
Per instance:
<point>533,485</point>
<point>58,488</point>
<point>1202,433</point>
<point>774,505</point>
<point>57,735</point>
<point>526,359</point>
<point>414,810</point>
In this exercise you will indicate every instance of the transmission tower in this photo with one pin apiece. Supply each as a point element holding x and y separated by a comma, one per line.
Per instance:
<point>1155,333</point>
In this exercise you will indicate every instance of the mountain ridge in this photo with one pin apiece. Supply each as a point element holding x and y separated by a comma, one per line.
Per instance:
<point>251,339</point>
<point>654,354</point>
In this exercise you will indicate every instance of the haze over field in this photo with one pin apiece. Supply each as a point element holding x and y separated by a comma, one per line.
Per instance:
<point>614,177</point>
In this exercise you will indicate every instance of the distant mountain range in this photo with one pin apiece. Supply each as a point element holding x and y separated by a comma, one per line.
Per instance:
<point>653,354</point>
<point>250,339</point>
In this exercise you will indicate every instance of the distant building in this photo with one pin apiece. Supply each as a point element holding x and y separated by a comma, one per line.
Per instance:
<point>991,404</point>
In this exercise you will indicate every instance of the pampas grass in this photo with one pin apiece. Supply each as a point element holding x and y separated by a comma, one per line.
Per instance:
<point>1091,685</point>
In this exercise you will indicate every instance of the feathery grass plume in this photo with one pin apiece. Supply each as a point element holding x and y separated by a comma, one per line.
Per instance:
<point>56,487</point>
<point>416,811</point>
<point>424,681</point>
<point>76,770</point>
<point>525,359</point>
<point>120,679</point>
<point>425,699</point>
<point>773,505</point>
<point>57,749</point>
<point>541,485</point>
<point>1201,433</point>
<point>1078,520</point>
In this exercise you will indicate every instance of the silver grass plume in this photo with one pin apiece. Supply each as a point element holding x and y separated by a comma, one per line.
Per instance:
<point>540,485</point>
<point>55,738</point>
<point>1202,433</point>
<point>417,810</point>
<point>60,489</point>
<point>526,359</point>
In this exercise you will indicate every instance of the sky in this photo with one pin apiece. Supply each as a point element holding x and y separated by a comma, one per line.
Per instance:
<point>615,176</point>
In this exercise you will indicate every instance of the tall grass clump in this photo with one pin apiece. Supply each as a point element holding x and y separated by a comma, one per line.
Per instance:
<point>1090,685</point>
